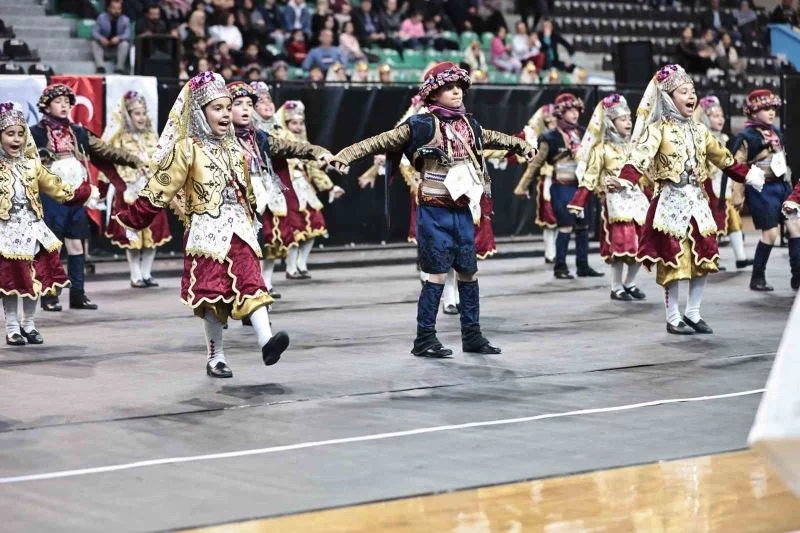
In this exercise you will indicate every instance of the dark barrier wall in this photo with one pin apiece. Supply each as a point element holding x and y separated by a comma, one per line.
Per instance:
<point>337,116</point>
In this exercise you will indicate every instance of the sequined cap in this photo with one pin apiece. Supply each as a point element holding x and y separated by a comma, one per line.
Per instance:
<point>259,87</point>
<point>615,106</point>
<point>709,103</point>
<point>761,99</point>
<point>566,101</point>
<point>440,75</point>
<point>51,92</point>
<point>133,99</point>
<point>10,115</point>
<point>670,77</point>
<point>293,109</point>
<point>206,87</point>
<point>240,89</point>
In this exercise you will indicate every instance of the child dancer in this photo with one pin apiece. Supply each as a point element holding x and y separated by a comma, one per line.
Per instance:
<point>624,206</point>
<point>130,129</point>
<point>679,235</point>
<point>201,169</point>
<point>760,144</point>
<point>446,147</point>
<point>29,261</point>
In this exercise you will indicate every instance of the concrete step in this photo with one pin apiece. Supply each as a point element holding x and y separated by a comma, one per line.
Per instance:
<point>37,22</point>
<point>48,43</point>
<point>75,66</point>
<point>18,8</point>
<point>25,32</point>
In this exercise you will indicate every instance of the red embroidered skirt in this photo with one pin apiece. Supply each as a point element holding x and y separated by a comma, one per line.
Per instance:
<point>485,245</point>
<point>545,216</point>
<point>619,241</point>
<point>22,277</point>
<point>153,236</point>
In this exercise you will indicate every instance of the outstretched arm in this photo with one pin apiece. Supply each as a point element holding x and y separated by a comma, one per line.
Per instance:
<point>532,171</point>
<point>498,140</point>
<point>388,141</point>
<point>102,151</point>
<point>291,149</point>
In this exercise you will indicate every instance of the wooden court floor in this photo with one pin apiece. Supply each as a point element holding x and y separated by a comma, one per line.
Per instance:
<point>730,492</point>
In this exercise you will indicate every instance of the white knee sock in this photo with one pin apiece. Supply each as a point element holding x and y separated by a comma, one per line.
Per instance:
<point>630,278</point>
<point>28,313</point>
<point>672,296</point>
<point>260,320</point>
<point>550,243</point>
<point>737,245</point>
<point>148,256</point>
<point>213,327</point>
<point>291,260</point>
<point>616,276</point>
<point>696,288</point>
<point>449,293</point>
<point>134,263</point>
<point>267,268</point>
<point>10,310</point>
<point>302,257</point>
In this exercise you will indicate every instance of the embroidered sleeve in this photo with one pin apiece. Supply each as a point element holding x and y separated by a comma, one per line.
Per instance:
<point>285,148</point>
<point>318,177</point>
<point>388,141</point>
<point>170,175</point>
<point>52,185</point>
<point>594,165</point>
<point>532,170</point>
<point>103,151</point>
<point>410,176</point>
<point>646,149</point>
<point>741,152</point>
<point>496,139</point>
<point>716,153</point>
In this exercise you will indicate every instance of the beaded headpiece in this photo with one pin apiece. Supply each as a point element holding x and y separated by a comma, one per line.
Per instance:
<point>292,109</point>
<point>566,101</point>
<point>132,99</point>
<point>442,74</point>
<point>601,126</point>
<point>259,87</point>
<point>537,124</point>
<point>709,103</point>
<point>207,87</point>
<point>51,92</point>
<point>670,77</point>
<point>761,99</point>
<point>615,106</point>
<point>239,89</point>
<point>10,115</point>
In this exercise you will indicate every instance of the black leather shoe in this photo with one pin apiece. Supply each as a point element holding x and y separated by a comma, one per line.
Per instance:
<point>636,292</point>
<point>296,275</point>
<point>700,326</point>
<point>744,264</point>
<point>304,274</point>
<point>549,261</point>
<point>271,352</point>
<point>589,272</point>
<point>275,295</point>
<point>140,284</point>
<point>562,272</point>
<point>621,295</point>
<point>760,284</point>
<point>795,282</point>
<point>484,348</point>
<point>450,309</point>
<point>246,321</point>
<point>219,370</point>
<point>150,282</point>
<point>82,302</point>
<point>436,351</point>
<point>721,268</point>
<point>33,336</point>
<point>680,329</point>
<point>51,304</point>
<point>15,339</point>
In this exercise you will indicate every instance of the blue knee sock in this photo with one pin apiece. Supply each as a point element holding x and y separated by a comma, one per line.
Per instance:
<point>794,255</point>
<point>761,257</point>
<point>582,247</point>
<point>428,305</point>
<point>75,269</point>
<point>470,304</point>
<point>562,244</point>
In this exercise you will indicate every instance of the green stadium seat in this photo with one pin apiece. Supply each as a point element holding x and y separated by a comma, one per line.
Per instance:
<point>85,28</point>
<point>392,57</point>
<point>467,38</point>
<point>486,40</point>
<point>414,59</point>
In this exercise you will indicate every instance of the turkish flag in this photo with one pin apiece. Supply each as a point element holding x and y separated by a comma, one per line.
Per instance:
<point>88,111</point>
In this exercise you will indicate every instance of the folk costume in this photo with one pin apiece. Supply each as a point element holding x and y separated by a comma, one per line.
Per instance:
<point>271,206</point>
<point>302,180</point>
<point>206,179</point>
<point>679,234</point>
<point>760,144</point>
<point>446,147</point>
<point>791,210</point>
<point>29,252</point>
<point>121,133</point>
<point>559,148</point>
<point>726,213</point>
<point>66,149</point>
<point>603,151</point>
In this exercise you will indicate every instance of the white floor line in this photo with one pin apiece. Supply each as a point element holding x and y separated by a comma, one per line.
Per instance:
<point>362,438</point>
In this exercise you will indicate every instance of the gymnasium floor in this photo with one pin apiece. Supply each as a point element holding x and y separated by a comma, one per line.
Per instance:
<point>112,425</point>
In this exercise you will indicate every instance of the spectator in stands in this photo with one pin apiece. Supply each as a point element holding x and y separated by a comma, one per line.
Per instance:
<point>412,31</point>
<point>321,19</point>
<point>500,52</point>
<point>324,55</point>
<point>727,56</point>
<point>199,51</point>
<point>368,28</point>
<point>280,71</point>
<point>390,19</point>
<point>344,14</point>
<point>203,65</point>
<point>715,19</point>
<point>111,36</point>
<point>253,73</point>
<point>273,22</point>
<point>244,15</point>
<point>219,11</point>
<point>487,17</point>
<point>316,75</point>
<point>785,14</point>
<point>690,56</point>
<point>436,36</point>
<point>296,16</point>
<point>250,55</point>
<point>550,39</point>
<point>747,21</point>
<point>194,29</point>
<point>222,56</point>
<point>174,13</point>
<point>475,58</point>
<point>526,46</point>
<point>296,49</point>
<point>228,33</point>
<point>349,45</point>
<point>151,23</point>
<point>328,23</point>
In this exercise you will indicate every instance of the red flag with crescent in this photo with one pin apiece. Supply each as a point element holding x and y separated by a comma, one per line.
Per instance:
<point>88,111</point>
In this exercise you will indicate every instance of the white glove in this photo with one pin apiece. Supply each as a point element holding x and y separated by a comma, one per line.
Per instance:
<point>131,235</point>
<point>755,178</point>
<point>335,193</point>
<point>577,211</point>
<point>791,209</point>
<point>94,200</point>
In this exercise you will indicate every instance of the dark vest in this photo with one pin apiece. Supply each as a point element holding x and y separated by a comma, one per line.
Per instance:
<point>556,147</point>
<point>755,141</point>
<point>423,129</point>
<point>39,134</point>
